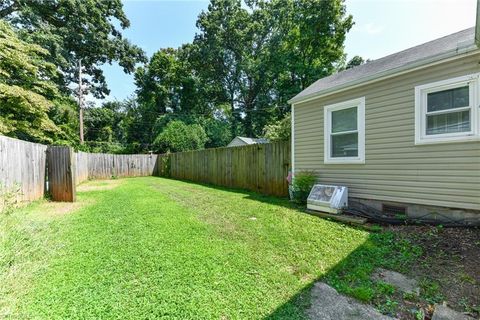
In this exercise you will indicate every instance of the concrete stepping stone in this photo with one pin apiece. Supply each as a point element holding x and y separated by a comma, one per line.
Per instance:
<point>442,312</point>
<point>398,280</point>
<point>328,304</point>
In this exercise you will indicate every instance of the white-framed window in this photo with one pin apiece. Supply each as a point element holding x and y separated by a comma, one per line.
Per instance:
<point>344,132</point>
<point>447,111</point>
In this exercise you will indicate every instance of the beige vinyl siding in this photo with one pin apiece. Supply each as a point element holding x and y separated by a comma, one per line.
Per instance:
<point>395,169</point>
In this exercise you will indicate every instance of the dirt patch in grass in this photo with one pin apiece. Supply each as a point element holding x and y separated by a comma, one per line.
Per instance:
<point>99,185</point>
<point>448,270</point>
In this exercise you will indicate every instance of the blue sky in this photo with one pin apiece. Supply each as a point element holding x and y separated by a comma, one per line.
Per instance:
<point>381,27</point>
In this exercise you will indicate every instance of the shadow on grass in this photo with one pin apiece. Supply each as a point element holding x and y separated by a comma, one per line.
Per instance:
<point>251,195</point>
<point>351,276</point>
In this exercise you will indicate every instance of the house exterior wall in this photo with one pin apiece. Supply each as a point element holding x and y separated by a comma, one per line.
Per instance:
<point>395,169</point>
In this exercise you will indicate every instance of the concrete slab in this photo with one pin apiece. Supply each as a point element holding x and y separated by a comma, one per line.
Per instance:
<point>398,280</point>
<point>328,304</point>
<point>443,312</point>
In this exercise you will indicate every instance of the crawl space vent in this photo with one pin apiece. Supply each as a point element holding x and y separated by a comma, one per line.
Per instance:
<point>393,210</point>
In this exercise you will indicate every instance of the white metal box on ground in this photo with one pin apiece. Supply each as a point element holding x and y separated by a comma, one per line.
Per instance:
<point>326,198</point>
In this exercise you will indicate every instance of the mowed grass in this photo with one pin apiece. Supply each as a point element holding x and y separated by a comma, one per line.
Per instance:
<point>148,248</point>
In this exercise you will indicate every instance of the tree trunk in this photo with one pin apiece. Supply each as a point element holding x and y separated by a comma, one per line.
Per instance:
<point>248,121</point>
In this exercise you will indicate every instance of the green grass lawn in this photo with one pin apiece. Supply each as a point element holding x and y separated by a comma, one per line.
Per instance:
<point>145,248</point>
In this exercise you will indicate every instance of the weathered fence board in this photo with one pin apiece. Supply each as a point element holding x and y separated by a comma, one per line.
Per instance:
<point>134,165</point>
<point>262,167</point>
<point>100,166</point>
<point>61,173</point>
<point>22,167</point>
<point>82,166</point>
<point>106,166</point>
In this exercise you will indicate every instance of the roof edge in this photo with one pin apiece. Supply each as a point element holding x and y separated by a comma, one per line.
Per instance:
<point>423,63</point>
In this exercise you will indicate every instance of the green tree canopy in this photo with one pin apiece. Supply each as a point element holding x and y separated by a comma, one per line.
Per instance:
<point>309,43</point>
<point>27,91</point>
<point>178,136</point>
<point>355,61</point>
<point>247,60</point>
<point>169,84</point>
<point>233,49</point>
<point>218,132</point>
<point>105,123</point>
<point>76,29</point>
<point>279,130</point>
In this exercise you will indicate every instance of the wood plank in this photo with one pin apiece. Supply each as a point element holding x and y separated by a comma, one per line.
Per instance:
<point>338,217</point>
<point>107,166</point>
<point>61,173</point>
<point>22,168</point>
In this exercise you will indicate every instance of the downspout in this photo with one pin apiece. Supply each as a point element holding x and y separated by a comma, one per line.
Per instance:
<point>477,25</point>
<point>292,137</point>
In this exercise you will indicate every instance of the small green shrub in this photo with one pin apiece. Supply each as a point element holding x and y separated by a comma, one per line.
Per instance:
<point>179,136</point>
<point>302,183</point>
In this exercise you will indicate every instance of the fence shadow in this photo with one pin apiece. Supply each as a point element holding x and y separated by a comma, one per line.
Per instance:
<point>251,195</point>
<point>351,276</point>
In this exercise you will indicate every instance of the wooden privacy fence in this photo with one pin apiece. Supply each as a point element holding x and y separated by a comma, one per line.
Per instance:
<point>81,159</point>
<point>106,166</point>
<point>29,170</point>
<point>22,169</point>
<point>61,173</point>
<point>33,168</point>
<point>261,167</point>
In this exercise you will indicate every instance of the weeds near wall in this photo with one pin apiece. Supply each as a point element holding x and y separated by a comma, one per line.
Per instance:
<point>9,198</point>
<point>165,164</point>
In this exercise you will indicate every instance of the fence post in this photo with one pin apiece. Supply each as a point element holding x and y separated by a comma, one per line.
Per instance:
<point>61,173</point>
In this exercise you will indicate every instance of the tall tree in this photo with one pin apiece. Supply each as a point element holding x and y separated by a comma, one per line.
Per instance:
<point>168,82</point>
<point>308,44</point>
<point>27,91</point>
<point>261,53</point>
<point>248,58</point>
<point>233,45</point>
<point>76,29</point>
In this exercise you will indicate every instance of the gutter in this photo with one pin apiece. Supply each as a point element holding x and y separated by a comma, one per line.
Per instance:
<point>449,55</point>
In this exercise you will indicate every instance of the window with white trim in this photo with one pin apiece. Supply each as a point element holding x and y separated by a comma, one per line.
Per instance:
<point>344,125</point>
<point>447,111</point>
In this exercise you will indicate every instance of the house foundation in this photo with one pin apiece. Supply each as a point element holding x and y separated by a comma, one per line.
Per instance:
<point>440,215</point>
